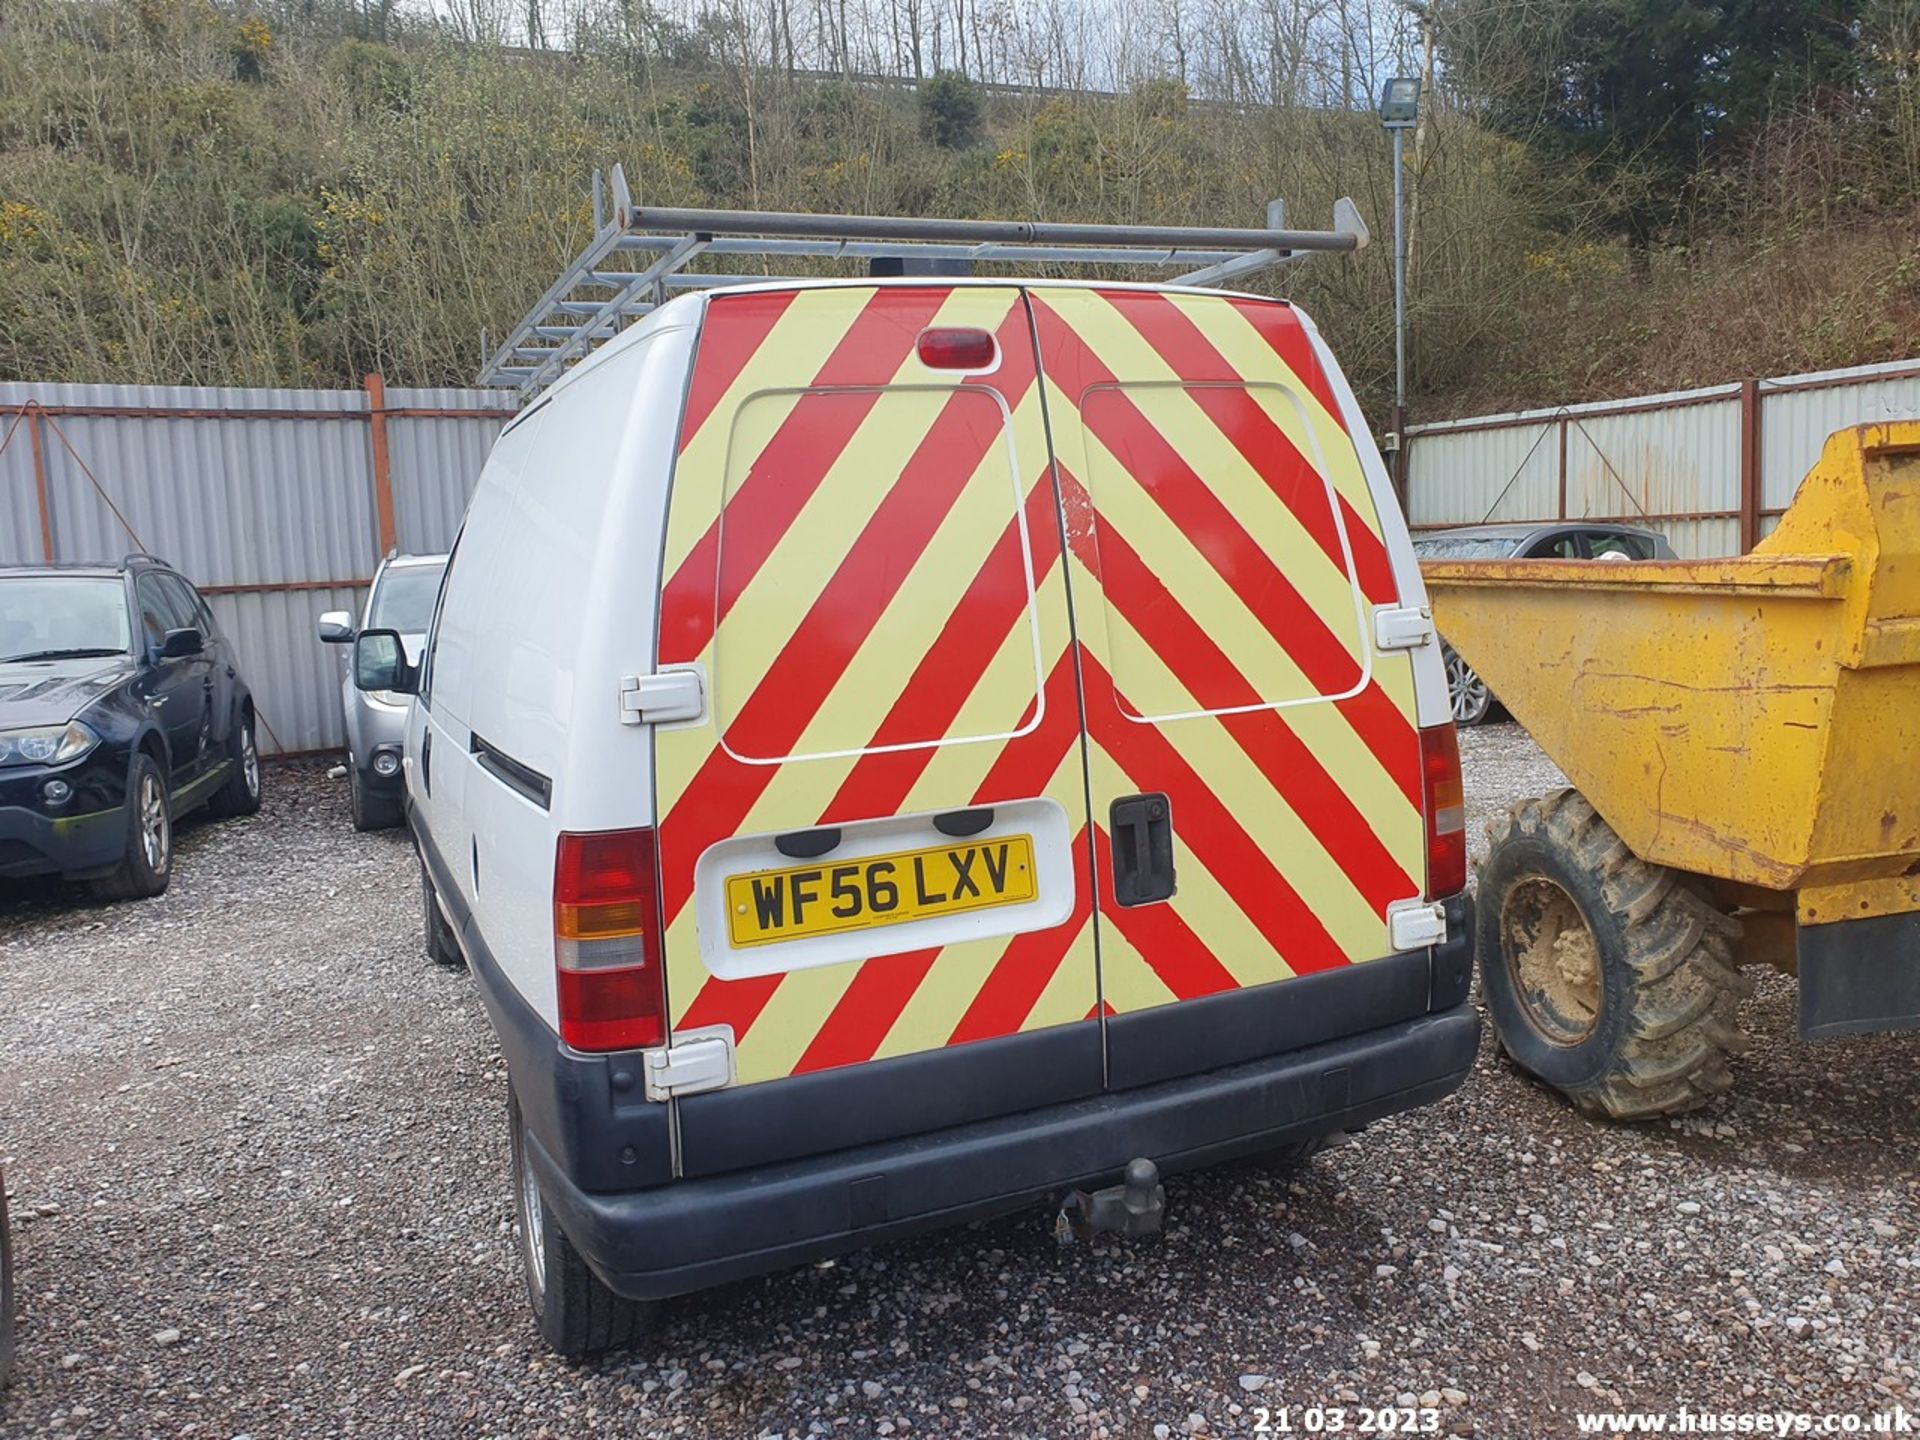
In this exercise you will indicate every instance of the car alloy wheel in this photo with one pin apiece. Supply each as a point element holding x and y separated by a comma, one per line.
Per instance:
<point>1467,691</point>
<point>156,832</point>
<point>249,760</point>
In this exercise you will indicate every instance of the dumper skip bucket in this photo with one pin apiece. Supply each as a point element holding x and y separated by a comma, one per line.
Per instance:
<point>1752,719</point>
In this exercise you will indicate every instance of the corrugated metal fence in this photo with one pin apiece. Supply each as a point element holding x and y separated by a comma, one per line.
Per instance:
<point>1712,468</point>
<point>278,504</point>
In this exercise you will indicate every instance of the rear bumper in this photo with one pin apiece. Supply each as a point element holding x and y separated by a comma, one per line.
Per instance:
<point>698,1233</point>
<point>816,1165</point>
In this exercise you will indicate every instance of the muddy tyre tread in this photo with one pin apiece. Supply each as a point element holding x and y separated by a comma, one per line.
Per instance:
<point>1681,998</point>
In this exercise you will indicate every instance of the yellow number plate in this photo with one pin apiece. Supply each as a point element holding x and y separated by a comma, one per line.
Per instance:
<point>826,898</point>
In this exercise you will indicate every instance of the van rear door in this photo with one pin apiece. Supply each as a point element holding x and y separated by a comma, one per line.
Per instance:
<point>874,850</point>
<point>1255,766</point>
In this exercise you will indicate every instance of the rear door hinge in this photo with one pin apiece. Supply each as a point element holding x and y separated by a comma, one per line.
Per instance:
<point>1402,627</point>
<point>664,697</point>
<point>1416,924</point>
<point>698,1060</point>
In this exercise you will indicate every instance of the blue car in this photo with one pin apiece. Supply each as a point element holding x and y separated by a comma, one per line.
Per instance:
<point>122,707</point>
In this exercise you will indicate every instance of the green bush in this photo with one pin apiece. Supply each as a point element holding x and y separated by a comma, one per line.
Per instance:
<point>950,110</point>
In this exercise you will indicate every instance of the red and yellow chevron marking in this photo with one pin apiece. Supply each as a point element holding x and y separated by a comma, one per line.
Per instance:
<point>1211,579</point>
<point>845,557</point>
<point>850,551</point>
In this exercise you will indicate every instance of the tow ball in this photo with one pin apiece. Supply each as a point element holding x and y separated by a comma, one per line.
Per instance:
<point>1133,1207</point>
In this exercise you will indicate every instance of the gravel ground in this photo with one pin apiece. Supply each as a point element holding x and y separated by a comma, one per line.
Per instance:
<point>257,1142</point>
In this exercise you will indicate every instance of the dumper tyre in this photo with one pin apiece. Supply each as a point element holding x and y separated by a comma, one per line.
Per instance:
<point>575,1312</point>
<point>1610,979</point>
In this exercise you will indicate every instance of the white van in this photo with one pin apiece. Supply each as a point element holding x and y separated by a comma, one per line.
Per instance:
<point>894,751</point>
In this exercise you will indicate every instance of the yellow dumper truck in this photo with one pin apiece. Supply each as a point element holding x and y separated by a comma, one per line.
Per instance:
<point>1743,742</point>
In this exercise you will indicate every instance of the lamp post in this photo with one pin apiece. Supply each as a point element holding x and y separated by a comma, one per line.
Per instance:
<point>1399,112</point>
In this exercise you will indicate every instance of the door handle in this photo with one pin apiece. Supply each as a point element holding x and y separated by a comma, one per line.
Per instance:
<point>1141,829</point>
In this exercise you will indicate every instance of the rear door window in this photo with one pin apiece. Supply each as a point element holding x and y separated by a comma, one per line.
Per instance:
<point>921,493</point>
<point>1214,482</point>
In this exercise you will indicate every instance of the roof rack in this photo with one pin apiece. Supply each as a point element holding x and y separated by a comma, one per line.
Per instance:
<point>640,254</point>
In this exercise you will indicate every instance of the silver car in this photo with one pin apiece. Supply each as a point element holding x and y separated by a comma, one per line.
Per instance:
<point>402,598</point>
<point>1526,540</point>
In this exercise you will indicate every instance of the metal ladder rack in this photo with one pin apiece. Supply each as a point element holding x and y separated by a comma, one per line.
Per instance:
<point>595,296</point>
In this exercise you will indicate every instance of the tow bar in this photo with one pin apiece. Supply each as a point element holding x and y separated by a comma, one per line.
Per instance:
<point>1133,1207</point>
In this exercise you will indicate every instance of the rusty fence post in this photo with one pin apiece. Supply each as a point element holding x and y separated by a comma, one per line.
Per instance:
<point>389,532</point>
<point>38,445</point>
<point>1750,476</point>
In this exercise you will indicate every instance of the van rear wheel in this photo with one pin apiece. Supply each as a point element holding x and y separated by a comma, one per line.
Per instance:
<point>575,1313</point>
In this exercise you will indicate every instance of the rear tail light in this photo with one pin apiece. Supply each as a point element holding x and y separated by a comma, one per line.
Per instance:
<point>606,941</point>
<point>1446,807</point>
<point>957,348</point>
